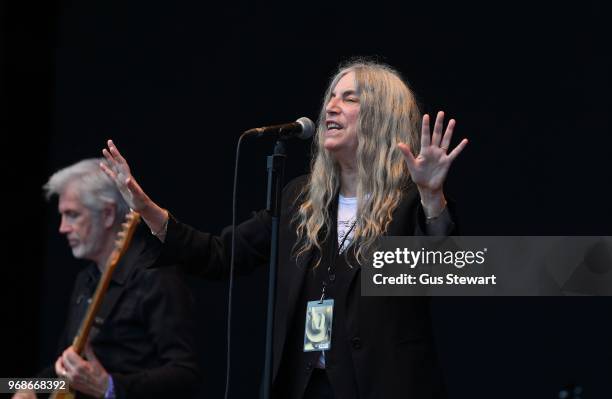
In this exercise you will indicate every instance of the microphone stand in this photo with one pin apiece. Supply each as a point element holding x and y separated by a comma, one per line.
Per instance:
<point>275,167</point>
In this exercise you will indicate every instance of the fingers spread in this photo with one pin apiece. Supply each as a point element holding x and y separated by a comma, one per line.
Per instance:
<point>115,152</point>
<point>408,155</point>
<point>108,171</point>
<point>457,150</point>
<point>437,133</point>
<point>425,134</point>
<point>107,155</point>
<point>448,134</point>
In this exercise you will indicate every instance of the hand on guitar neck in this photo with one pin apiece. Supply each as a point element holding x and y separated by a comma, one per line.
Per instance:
<point>84,375</point>
<point>24,395</point>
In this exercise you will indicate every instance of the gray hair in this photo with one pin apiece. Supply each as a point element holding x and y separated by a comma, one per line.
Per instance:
<point>94,187</point>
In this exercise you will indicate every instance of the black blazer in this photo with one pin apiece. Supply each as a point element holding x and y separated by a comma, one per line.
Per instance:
<point>144,330</point>
<point>390,338</point>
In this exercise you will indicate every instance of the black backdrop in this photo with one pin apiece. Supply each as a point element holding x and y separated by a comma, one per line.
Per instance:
<point>174,84</point>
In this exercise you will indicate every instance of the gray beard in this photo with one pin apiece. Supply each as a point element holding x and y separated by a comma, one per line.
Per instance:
<point>91,248</point>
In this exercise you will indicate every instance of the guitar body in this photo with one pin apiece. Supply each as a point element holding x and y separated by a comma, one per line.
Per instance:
<point>62,395</point>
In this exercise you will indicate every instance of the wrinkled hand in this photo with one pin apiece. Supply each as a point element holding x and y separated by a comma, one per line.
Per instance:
<point>24,395</point>
<point>119,170</point>
<point>429,169</point>
<point>86,376</point>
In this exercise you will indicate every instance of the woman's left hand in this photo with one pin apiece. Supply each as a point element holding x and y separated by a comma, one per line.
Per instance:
<point>428,170</point>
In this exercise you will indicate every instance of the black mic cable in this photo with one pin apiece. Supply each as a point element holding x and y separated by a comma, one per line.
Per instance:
<point>231,277</point>
<point>303,128</point>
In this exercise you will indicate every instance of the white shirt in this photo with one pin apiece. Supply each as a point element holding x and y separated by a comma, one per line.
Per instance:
<point>347,214</point>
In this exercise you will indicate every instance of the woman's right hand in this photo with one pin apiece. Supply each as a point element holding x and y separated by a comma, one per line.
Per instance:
<point>119,171</point>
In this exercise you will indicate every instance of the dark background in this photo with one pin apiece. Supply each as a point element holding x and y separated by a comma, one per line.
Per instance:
<point>175,83</point>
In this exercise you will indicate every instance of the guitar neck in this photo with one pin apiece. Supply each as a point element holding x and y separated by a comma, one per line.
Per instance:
<point>96,301</point>
<point>124,239</point>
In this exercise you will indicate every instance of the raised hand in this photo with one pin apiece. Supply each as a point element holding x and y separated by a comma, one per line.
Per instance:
<point>428,170</point>
<point>119,171</point>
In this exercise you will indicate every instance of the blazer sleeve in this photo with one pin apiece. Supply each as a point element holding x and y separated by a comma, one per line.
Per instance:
<point>443,225</point>
<point>209,255</point>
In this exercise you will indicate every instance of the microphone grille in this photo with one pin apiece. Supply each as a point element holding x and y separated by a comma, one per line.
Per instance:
<point>308,128</point>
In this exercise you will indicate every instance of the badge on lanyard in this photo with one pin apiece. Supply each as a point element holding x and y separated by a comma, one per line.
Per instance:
<point>317,332</point>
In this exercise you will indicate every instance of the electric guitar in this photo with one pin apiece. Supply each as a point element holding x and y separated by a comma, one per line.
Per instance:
<point>124,238</point>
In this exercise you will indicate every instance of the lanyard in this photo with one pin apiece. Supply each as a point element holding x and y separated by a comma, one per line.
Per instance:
<point>332,261</point>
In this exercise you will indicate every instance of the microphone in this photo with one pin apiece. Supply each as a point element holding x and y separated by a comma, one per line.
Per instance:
<point>303,129</point>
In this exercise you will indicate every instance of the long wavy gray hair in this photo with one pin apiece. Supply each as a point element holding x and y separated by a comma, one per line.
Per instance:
<point>388,115</point>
